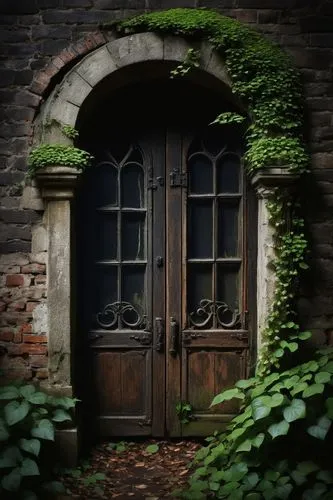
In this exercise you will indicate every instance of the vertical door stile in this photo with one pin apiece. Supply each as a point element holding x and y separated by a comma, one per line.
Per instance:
<point>174,294</point>
<point>158,282</point>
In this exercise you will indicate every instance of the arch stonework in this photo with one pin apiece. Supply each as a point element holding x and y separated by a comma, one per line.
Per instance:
<point>56,185</point>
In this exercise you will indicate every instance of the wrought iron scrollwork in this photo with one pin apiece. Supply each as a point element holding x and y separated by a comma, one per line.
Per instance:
<point>129,316</point>
<point>208,310</point>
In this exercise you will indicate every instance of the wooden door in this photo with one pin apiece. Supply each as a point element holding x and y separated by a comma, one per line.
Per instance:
<point>163,292</point>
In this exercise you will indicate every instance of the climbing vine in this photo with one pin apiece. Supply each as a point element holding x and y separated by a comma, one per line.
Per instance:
<point>266,82</point>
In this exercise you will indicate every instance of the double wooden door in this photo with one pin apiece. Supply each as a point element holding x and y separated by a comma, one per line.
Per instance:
<point>165,281</point>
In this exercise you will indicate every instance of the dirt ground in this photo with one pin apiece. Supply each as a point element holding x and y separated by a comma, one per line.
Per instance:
<point>147,470</point>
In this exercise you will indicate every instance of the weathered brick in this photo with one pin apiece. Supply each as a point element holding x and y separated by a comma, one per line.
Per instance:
<point>16,306</point>
<point>136,4</point>
<point>35,339</point>
<point>14,35</point>
<point>30,306</point>
<point>25,328</point>
<point>38,361</point>
<point>18,216</point>
<point>33,348</point>
<point>15,280</point>
<point>246,15</point>
<point>3,306</point>
<point>17,338</point>
<point>6,334</point>
<point>40,280</point>
<point>42,373</point>
<point>75,16</point>
<point>11,7</point>
<point>19,259</point>
<point>14,246</point>
<point>53,47</point>
<point>43,32</point>
<point>33,268</point>
<point>268,16</point>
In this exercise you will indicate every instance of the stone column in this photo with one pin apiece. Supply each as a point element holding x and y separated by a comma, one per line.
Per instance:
<point>266,182</point>
<point>57,189</point>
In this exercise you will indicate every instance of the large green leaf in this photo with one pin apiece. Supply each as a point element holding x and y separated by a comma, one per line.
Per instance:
<point>29,467</point>
<point>30,445</point>
<point>284,491</point>
<point>326,476</point>
<point>258,440</point>
<point>295,410</point>
<point>227,395</point>
<point>6,461</point>
<point>259,408</point>
<point>299,387</point>
<point>15,412</point>
<point>12,481</point>
<point>322,377</point>
<point>63,402</point>
<point>304,335</point>
<point>253,496</point>
<point>236,472</point>
<point>320,430</point>
<point>271,475</point>
<point>4,434</point>
<point>279,429</point>
<point>307,467</point>
<point>60,415</point>
<point>313,389</point>
<point>245,384</point>
<point>9,392</point>
<point>39,398</point>
<point>329,406</point>
<point>276,400</point>
<point>27,390</point>
<point>13,454</point>
<point>298,477</point>
<point>244,446</point>
<point>329,367</point>
<point>44,430</point>
<point>250,481</point>
<point>54,487</point>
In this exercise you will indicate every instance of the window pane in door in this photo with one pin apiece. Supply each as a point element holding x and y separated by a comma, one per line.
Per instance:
<point>106,279</point>
<point>228,229</point>
<point>200,229</point>
<point>228,173</point>
<point>132,186</point>
<point>201,174</point>
<point>228,285</point>
<point>106,236</point>
<point>133,292</point>
<point>104,185</point>
<point>133,236</point>
<point>199,288</point>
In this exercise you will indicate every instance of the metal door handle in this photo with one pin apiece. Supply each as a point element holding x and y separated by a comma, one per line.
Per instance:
<point>173,336</point>
<point>159,334</point>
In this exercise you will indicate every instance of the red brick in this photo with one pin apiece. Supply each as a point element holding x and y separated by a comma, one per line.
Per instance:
<point>6,334</point>
<point>31,306</point>
<point>33,349</point>
<point>25,328</point>
<point>17,339</point>
<point>14,280</point>
<point>57,62</point>
<point>2,306</point>
<point>34,339</point>
<point>33,269</point>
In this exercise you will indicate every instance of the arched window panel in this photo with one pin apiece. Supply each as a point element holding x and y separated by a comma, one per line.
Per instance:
<point>215,221</point>
<point>120,231</point>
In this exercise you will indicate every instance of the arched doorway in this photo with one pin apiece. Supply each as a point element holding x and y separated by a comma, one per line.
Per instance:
<point>166,263</point>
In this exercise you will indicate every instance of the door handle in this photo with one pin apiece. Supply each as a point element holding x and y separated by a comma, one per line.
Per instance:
<point>173,336</point>
<point>159,334</point>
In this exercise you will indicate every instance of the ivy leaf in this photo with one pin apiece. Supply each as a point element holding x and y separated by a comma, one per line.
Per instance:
<point>39,398</point>
<point>245,446</point>
<point>12,481</point>
<point>9,392</point>
<point>54,487</point>
<point>326,476</point>
<point>284,491</point>
<point>329,406</point>
<point>250,480</point>
<point>298,477</point>
<point>44,430</point>
<point>276,400</point>
<point>29,468</point>
<point>27,390</point>
<point>307,467</point>
<point>152,448</point>
<point>305,335</point>
<point>322,377</point>
<point>320,430</point>
<point>4,434</point>
<point>300,387</point>
<point>312,390</point>
<point>61,415</point>
<point>258,440</point>
<point>245,384</point>
<point>15,412</point>
<point>30,446</point>
<point>227,395</point>
<point>295,410</point>
<point>259,409</point>
<point>280,429</point>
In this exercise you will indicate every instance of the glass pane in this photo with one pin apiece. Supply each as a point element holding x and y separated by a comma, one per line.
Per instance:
<point>133,236</point>
<point>200,229</point>
<point>106,279</point>
<point>132,186</point>
<point>227,285</point>
<point>199,293</point>
<point>105,185</point>
<point>106,236</point>
<point>228,229</point>
<point>133,292</point>
<point>228,170</point>
<point>201,174</point>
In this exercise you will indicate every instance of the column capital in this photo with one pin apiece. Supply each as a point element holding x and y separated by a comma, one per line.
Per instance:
<point>57,182</point>
<point>268,179</point>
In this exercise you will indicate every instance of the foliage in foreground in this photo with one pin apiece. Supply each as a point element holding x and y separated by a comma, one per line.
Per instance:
<point>27,427</point>
<point>280,445</point>
<point>47,155</point>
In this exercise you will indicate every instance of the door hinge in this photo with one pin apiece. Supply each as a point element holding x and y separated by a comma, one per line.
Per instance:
<point>178,178</point>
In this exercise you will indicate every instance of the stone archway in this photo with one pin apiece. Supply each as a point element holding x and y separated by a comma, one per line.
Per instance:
<point>58,183</point>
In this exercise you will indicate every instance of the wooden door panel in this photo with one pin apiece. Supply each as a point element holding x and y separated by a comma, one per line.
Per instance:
<point>123,391</point>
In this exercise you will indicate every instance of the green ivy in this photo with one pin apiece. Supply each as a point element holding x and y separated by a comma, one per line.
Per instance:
<point>279,446</point>
<point>28,419</point>
<point>262,76</point>
<point>47,155</point>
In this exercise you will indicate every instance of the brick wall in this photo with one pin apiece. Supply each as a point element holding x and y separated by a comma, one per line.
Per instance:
<point>40,39</point>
